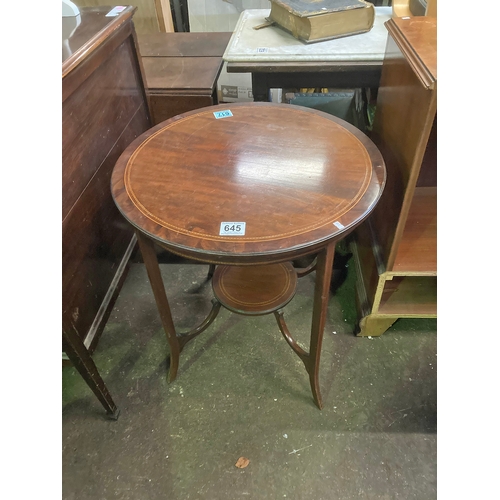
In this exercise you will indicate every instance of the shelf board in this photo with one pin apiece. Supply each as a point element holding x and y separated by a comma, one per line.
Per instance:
<point>409,296</point>
<point>417,251</point>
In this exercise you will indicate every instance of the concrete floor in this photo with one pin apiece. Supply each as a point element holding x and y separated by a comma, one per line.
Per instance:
<point>242,392</point>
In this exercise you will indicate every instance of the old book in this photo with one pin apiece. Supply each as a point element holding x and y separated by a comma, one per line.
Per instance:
<point>318,20</point>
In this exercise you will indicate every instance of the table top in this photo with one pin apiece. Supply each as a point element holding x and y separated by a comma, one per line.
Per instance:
<point>263,182</point>
<point>272,44</point>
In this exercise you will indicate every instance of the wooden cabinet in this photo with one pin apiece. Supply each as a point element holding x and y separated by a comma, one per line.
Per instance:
<point>395,250</point>
<point>181,71</point>
<point>104,109</point>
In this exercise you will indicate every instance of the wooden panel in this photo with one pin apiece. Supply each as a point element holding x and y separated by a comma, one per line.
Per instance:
<point>190,74</point>
<point>417,40</point>
<point>95,237</point>
<point>428,170</point>
<point>75,37</point>
<point>417,251</point>
<point>180,84</point>
<point>104,109</point>
<point>167,106</point>
<point>367,271</point>
<point>80,57</point>
<point>108,98</point>
<point>183,44</point>
<point>409,296</point>
<point>398,122</point>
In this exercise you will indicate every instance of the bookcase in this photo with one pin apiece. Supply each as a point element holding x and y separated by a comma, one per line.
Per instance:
<point>395,250</point>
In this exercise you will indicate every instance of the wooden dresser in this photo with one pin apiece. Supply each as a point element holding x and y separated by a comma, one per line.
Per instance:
<point>396,250</point>
<point>104,108</point>
<point>181,71</point>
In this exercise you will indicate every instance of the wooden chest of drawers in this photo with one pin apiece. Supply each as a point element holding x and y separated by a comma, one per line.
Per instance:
<point>181,71</point>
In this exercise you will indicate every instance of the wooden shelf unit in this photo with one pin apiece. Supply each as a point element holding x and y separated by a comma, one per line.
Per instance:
<point>395,251</point>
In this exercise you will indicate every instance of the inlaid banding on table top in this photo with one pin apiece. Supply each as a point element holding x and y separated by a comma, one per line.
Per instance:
<point>312,204</point>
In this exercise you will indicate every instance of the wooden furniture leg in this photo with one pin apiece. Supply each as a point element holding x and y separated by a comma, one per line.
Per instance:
<point>260,89</point>
<point>324,267</point>
<point>371,326</point>
<point>323,264</point>
<point>304,271</point>
<point>176,341</point>
<point>82,360</point>
<point>151,262</point>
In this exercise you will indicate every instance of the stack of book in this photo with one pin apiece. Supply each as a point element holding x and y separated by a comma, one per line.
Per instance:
<point>319,20</point>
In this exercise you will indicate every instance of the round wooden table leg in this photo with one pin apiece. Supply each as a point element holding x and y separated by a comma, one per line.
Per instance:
<point>321,295</point>
<point>151,262</point>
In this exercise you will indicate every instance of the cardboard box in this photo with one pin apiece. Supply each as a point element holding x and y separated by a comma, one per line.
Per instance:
<point>234,87</point>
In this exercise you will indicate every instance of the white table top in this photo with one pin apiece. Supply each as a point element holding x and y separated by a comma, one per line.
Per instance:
<point>276,45</point>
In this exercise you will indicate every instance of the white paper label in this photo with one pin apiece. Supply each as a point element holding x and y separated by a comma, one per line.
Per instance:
<point>115,11</point>
<point>232,228</point>
<point>338,225</point>
<point>223,114</point>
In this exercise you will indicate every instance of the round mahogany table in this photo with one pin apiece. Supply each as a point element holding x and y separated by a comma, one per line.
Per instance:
<point>249,188</point>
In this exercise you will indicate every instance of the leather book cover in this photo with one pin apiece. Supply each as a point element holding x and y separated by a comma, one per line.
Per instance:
<point>307,8</point>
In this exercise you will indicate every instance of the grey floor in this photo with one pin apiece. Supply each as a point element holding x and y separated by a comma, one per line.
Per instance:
<point>242,392</point>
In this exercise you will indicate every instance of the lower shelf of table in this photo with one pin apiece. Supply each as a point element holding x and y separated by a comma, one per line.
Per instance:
<point>254,290</point>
